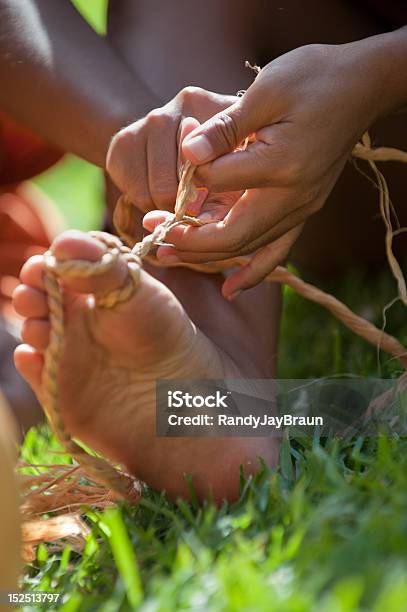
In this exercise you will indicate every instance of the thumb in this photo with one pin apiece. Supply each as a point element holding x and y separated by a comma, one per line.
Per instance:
<point>222,133</point>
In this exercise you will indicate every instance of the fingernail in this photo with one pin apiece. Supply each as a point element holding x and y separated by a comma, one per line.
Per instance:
<point>200,147</point>
<point>195,206</point>
<point>234,295</point>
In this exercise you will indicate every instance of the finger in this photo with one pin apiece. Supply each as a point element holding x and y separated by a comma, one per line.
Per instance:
<point>171,255</point>
<point>187,125</point>
<point>154,218</point>
<point>127,164</point>
<point>138,189</point>
<point>268,161</point>
<point>215,207</point>
<point>162,153</point>
<point>261,265</point>
<point>223,132</point>
<point>245,223</point>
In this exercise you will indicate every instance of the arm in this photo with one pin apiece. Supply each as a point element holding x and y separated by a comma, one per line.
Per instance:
<point>63,80</point>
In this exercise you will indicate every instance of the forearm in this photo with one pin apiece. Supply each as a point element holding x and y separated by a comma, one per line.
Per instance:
<point>63,80</point>
<point>381,62</point>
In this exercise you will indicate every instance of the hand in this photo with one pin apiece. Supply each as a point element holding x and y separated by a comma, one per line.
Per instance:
<point>142,158</point>
<point>304,113</point>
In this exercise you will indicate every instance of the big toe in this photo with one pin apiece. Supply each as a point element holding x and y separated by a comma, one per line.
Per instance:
<point>83,249</point>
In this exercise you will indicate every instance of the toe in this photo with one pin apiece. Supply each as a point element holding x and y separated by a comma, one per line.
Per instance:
<point>30,302</point>
<point>29,363</point>
<point>32,272</point>
<point>35,332</point>
<point>77,245</point>
<point>74,244</point>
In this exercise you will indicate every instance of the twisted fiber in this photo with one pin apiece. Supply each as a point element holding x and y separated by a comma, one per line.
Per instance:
<point>385,205</point>
<point>364,151</point>
<point>352,321</point>
<point>185,194</point>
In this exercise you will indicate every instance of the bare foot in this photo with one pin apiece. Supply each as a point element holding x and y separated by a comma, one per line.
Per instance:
<point>111,362</point>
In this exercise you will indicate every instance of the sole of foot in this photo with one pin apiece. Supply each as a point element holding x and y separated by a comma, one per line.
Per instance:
<point>111,362</point>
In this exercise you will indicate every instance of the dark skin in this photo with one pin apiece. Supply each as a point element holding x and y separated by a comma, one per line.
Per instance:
<point>142,161</point>
<point>79,94</point>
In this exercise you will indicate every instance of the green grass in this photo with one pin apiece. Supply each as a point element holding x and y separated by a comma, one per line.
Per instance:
<point>333,538</point>
<point>327,531</point>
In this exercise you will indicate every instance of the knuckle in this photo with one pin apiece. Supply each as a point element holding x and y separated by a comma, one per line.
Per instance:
<point>225,131</point>
<point>158,118</point>
<point>113,153</point>
<point>120,149</point>
<point>190,92</point>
